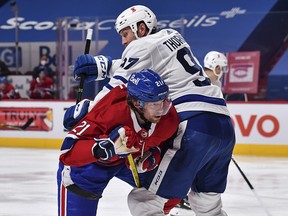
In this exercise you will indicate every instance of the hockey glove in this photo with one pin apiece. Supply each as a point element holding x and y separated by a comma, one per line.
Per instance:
<point>93,68</point>
<point>149,160</point>
<point>115,144</point>
<point>75,113</point>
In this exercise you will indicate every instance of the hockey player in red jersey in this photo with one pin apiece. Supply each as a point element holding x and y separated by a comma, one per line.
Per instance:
<point>127,120</point>
<point>42,87</point>
<point>7,90</point>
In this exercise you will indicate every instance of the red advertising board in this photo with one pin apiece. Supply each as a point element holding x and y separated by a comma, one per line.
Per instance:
<point>242,76</point>
<point>18,116</point>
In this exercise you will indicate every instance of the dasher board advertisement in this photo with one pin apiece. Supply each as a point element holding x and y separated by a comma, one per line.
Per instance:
<point>242,76</point>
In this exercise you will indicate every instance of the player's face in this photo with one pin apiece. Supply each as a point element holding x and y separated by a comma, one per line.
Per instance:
<point>127,36</point>
<point>154,110</point>
<point>2,86</point>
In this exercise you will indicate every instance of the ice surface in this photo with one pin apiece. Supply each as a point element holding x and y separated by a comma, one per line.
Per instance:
<point>28,186</point>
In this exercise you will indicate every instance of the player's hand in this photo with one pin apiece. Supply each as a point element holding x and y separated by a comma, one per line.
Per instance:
<point>93,68</point>
<point>115,144</point>
<point>75,113</point>
<point>149,160</point>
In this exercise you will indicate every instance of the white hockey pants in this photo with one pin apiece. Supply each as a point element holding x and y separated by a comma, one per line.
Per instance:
<point>142,202</point>
<point>206,204</point>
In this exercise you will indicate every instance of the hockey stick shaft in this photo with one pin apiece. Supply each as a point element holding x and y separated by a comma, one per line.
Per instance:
<point>82,77</point>
<point>251,187</point>
<point>74,188</point>
<point>26,125</point>
<point>134,170</point>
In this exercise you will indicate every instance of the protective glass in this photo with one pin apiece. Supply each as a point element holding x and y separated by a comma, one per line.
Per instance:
<point>158,108</point>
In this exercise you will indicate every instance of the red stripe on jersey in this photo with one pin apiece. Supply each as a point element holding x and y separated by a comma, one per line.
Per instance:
<point>63,194</point>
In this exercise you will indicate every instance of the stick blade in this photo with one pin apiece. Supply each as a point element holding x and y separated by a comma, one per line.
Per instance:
<point>27,124</point>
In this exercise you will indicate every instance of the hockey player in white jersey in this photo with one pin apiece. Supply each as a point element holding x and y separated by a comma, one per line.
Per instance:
<point>199,156</point>
<point>215,65</point>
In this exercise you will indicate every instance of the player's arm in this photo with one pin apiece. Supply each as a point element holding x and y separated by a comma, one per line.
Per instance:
<point>101,67</point>
<point>133,59</point>
<point>119,70</point>
<point>89,66</point>
<point>78,151</point>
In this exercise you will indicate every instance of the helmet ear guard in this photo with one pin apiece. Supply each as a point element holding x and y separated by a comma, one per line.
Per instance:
<point>141,104</point>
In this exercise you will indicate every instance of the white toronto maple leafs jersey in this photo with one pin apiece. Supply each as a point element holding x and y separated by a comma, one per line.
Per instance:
<point>168,54</point>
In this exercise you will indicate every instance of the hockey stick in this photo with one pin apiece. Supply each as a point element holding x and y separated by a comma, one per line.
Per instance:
<point>23,127</point>
<point>251,187</point>
<point>82,77</point>
<point>74,188</point>
<point>134,170</point>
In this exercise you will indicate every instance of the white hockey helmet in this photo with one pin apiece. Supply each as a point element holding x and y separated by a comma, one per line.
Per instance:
<point>133,15</point>
<point>214,59</point>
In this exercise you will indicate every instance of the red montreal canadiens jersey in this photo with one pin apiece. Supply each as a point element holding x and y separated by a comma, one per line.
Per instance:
<point>111,111</point>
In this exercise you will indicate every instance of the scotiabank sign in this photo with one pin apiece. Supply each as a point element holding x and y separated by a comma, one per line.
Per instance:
<point>260,123</point>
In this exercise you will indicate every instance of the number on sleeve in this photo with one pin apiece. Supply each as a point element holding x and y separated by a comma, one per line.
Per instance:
<point>82,127</point>
<point>130,63</point>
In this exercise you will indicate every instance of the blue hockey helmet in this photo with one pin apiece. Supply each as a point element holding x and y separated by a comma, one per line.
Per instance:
<point>3,79</point>
<point>147,86</point>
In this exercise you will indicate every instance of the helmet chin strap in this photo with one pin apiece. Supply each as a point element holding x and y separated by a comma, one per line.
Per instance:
<point>139,111</point>
<point>136,34</point>
<point>147,124</point>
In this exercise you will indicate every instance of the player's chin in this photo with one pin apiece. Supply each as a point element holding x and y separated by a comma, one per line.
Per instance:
<point>156,119</point>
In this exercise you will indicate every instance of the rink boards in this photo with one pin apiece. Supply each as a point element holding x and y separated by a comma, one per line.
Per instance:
<point>261,128</point>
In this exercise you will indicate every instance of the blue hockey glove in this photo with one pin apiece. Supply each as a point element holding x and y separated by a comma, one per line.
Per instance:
<point>104,149</point>
<point>75,113</point>
<point>115,144</point>
<point>93,68</point>
<point>149,160</point>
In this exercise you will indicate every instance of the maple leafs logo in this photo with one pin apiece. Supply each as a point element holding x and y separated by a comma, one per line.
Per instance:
<point>133,9</point>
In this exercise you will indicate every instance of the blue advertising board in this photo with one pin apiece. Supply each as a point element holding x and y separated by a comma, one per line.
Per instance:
<point>222,25</point>
<point>208,24</point>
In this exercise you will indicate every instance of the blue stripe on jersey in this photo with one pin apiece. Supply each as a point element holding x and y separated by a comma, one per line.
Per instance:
<point>68,143</point>
<point>122,79</point>
<point>109,86</point>
<point>201,98</point>
<point>188,114</point>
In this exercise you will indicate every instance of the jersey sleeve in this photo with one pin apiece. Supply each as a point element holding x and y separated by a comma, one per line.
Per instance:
<point>77,146</point>
<point>74,157</point>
